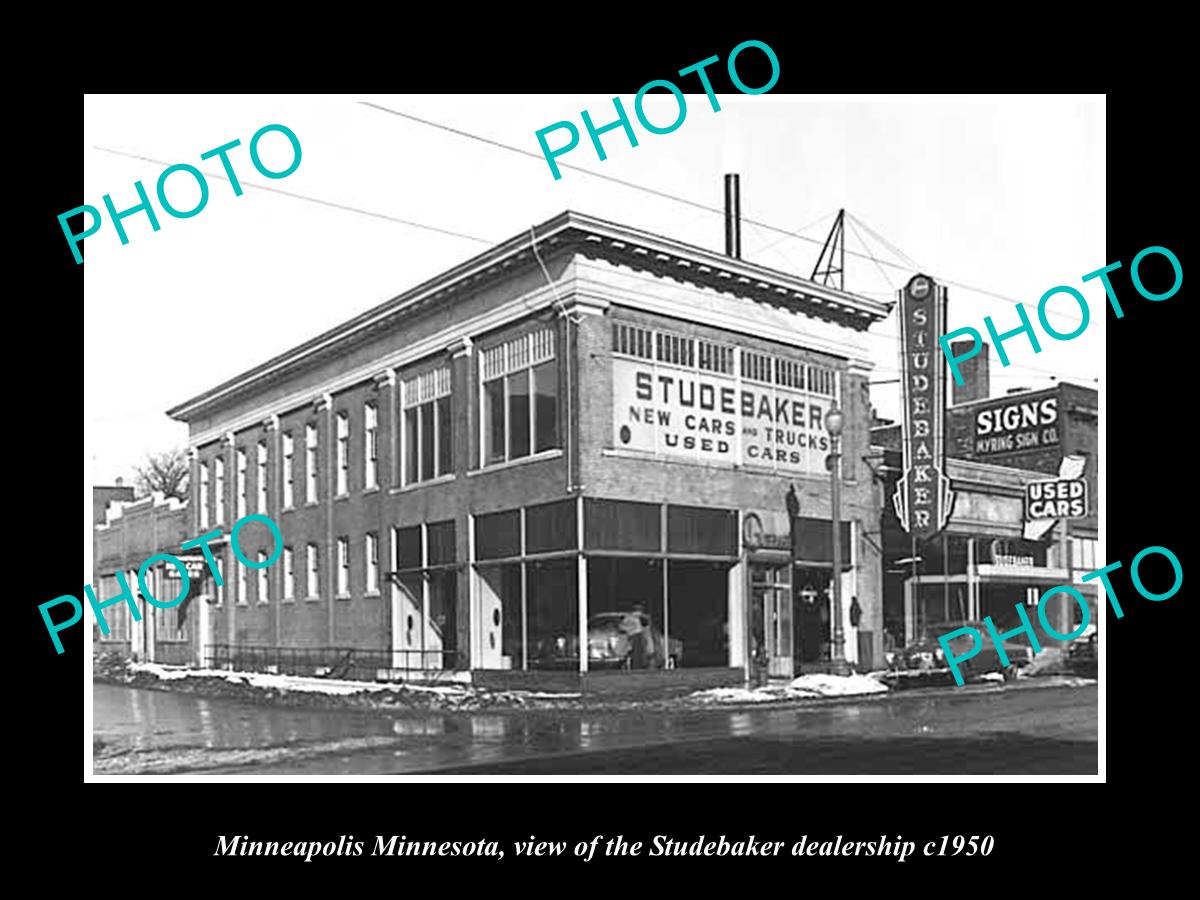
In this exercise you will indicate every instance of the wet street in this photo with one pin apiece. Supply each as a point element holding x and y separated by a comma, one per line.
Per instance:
<point>1041,726</point>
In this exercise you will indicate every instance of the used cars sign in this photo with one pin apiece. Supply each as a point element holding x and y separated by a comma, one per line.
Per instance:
<point>1063,498</point>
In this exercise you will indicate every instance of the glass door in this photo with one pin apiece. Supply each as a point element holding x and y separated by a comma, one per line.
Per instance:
<point>771,624</point>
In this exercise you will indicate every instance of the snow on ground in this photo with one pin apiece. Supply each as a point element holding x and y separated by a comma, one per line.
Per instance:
<point>837,685</point>
<point>804,687</point>
<point>331,686</point>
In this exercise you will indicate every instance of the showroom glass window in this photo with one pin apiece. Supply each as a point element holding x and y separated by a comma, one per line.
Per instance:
<point>427,436</point>
<point>519,398</point>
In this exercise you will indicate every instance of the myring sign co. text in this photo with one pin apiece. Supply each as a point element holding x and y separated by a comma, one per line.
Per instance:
<point>923,497</point>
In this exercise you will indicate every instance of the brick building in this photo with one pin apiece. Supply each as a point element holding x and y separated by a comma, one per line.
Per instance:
<point>987,559</point>
<point>129,532</point>
<point>584,420</point>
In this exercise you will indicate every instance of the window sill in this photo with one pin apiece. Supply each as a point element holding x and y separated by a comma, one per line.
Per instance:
<point>289,508</point>
<point>264,603</point>
<point>372,594</point>
<point>308,503</point>
<point>417,485</point>
<point>524,460</point>
<point>373,489</point>
<point>242,603</point>
<point>342,496</point>
<point>312,599</point>
<point>288,600</point>
<point>343,597</point>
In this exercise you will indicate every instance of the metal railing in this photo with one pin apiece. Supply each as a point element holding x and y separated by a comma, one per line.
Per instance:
<point>350,663</point>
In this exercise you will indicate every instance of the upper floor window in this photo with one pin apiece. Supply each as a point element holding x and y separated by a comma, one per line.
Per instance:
<point>220,488</point>
<point>262,476</point>
<point>204,495</point>
<point>370,446</point>
<point>289,471</point>
<point>427,437</point>
<point>519,398</point>
<point>343,453</point>
<point>240,485</point>
<point>310,463</point>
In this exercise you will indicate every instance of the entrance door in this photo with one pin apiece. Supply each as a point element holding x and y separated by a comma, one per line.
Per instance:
<point>771,596</point>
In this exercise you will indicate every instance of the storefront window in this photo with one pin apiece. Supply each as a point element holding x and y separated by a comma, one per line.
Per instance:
<point>692,529</point>
<point>550,527</point>
<point>552,614</point>
<point>699,612</point>
<point>622,525</point>
<point>498,535</point>
<point>626,618</point>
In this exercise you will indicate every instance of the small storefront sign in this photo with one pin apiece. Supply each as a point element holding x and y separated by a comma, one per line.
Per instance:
<point>1062,498</point>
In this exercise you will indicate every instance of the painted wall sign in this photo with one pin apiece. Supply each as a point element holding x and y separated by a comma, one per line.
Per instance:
<point>993,429</point>
<point>923,498</point>
<point>709,417</point>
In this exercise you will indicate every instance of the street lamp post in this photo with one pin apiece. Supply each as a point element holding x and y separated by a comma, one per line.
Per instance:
<point>834,420</point>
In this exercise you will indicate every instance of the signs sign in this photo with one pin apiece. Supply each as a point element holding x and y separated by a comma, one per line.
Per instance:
<point>923,497</point>
<point>1063,498</point>
<point>992,429</point>
<point>711,417</point>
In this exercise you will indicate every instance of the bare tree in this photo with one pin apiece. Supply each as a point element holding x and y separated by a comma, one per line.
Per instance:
<point>166,472</point>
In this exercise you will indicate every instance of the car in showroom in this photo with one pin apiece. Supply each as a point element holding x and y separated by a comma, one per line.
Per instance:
<point>927,655</point>
<point>616,640</point>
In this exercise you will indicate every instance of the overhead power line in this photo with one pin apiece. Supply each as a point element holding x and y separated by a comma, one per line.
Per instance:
<point>331,203</point>
<point>669,196</point>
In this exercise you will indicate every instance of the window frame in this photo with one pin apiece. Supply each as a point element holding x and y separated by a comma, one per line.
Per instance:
<point>312,572</point>
<point>371,563</point>
<point>289,470</point>
<point>342,453</point>
<point>312,463</point>
<point>241,482</point>
<point>219,486</point>
<point>289,576</point>
<point>205,490</point>
<point>263,587</point>
<point>522,355</point>
<point>243,587</point>
<point>342,588</point>
<point>262,460</point>
<point>426,389</point>
<point>370,445</point>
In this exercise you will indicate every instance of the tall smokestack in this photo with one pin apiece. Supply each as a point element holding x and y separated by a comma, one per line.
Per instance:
<point>733,217</point>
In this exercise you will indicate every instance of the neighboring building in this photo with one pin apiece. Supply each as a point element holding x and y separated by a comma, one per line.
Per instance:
<point>468,473</point>
<point>994,448</point>
<point>130,533</point>
<point>104,495</point>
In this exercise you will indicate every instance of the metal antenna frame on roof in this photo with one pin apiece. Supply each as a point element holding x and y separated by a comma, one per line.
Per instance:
<point>835,245</point>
